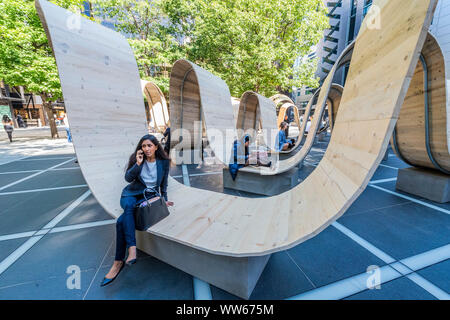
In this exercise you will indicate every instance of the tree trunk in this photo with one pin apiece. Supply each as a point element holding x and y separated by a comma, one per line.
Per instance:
<point>51,119</point>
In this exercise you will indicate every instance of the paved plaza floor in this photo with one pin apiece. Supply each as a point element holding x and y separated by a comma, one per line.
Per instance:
<point>50,224</point>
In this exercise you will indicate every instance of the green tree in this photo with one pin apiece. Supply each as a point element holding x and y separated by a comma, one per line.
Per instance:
<point>149,35</point>
<point>251,44</point>
<point>26,58</point>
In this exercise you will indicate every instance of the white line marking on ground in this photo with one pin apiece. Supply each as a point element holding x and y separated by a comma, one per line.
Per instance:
<point>98,269</point>
<point>199,174</point>
<point>356,284</point>
<point>411,199</point>
<point>428,286</point>
<point>185,175</point>
<point>45,189</point>
<point>17,235</point>
<point>39,159</point>
<point>202,290</point>
<point>13,160</point>
<point>346,287</point>
<point>83,225</point>
<point>58,229</point>
<point>29,171</point>
<point>66,211</point>
<point>363,243</point>
<point>13,257</point>
<point>386,166</point>
<point>382,180</point>
<point>34,175</point>
<point>398,266</point>
<point>428,258</point>
<point>25,171</point>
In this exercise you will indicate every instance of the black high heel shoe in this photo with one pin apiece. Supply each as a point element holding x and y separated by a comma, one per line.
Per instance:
<point>131,262</point>
<point>107,281</point>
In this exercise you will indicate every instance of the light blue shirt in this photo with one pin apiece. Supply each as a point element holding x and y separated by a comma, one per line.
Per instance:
<point>149,174</point>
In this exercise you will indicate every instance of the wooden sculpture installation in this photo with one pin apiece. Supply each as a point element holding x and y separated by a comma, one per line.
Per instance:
<point>223,239</point>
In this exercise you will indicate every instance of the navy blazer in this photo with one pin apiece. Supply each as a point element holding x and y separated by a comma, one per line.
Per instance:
<point>137,185</point>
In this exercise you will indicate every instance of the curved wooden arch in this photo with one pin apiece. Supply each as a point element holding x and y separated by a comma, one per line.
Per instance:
<point>334,100</point>
<point>230,225</point>
<point>198,96</point>
<point>255,113</point>
<point>410,128</point>
<point>157,106</point>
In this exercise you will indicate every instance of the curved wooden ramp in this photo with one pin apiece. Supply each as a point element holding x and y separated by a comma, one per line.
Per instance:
<point>157,106</point>
<point>218,224</point>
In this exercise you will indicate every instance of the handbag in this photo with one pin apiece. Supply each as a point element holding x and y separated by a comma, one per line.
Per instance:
<point>151,213</point>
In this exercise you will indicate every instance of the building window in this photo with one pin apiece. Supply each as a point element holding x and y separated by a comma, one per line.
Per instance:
<point>351,30</point>
<point>367,5</point>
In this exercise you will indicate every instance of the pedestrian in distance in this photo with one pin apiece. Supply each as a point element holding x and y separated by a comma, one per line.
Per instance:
<point>66,125</point>
<point>8,126</point>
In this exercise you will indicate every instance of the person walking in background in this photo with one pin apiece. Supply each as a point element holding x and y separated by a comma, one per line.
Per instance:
<point>66,125</point>
<point>166,138</point>
<point>8,126</point>
<point>20,121</point>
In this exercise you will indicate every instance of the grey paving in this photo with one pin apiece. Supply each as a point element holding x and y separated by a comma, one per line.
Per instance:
<point>8,246</point>
<point>51,156</point>
<point>52,288</point>
<point>397,226</point>
<point>54,253</point>
<point>29,165</point>
<point>50,179</point>
<point>149,278</point>
<point>391,186</point>
<point>372,199</point>
<point>439,274</point>
<point>281,279</point>
<point>399,289</point>
<point>31,211</point>
<point>88,211</point>
<point>6,179</point>
<point>403,230</point>
<point>332,256</point>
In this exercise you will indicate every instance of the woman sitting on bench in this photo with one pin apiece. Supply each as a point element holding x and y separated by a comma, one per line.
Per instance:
<point>284,143</point>
<point>148,167</point>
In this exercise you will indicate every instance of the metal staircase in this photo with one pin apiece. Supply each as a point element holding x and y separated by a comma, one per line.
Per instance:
<point>330,42</point>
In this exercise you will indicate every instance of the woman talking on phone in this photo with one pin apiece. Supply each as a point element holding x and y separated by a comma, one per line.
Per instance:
<point>148,167</point>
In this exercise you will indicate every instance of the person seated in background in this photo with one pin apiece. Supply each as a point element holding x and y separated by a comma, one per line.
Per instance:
<point>286,130</point>
<point>240,155</point>
<point>283,143</point>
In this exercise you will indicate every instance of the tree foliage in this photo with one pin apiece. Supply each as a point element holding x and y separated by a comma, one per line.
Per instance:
<point>26,58</point>
<point>149,35</point>
<point>252,44</point>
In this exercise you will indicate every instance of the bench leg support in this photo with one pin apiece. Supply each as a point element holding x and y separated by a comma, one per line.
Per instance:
<point>236,275</point>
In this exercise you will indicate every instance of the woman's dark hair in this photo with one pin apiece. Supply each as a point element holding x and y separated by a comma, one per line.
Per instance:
<point>160,154</point>
<point>6,118</point>
<point>282,124</point>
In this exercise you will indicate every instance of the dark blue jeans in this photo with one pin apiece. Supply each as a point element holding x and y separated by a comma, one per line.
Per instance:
<point>125,230</point>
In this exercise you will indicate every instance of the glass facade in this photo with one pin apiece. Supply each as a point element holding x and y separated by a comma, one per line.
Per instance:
<point>351,29</point>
